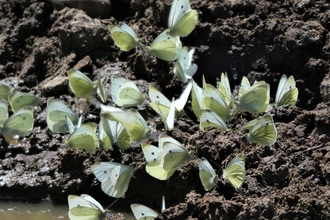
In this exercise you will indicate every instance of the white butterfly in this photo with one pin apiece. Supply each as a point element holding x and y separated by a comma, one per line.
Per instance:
<point>183,68</point>
<point>210,119</point>
<point>207,174</point>
<point>287,93</point>
<point>85,207</point>
<point>114,177</point>
<point>142,212</point>
<point>235,171</point>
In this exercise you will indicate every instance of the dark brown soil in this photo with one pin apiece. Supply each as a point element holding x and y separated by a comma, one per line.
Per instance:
<point>258,39</point>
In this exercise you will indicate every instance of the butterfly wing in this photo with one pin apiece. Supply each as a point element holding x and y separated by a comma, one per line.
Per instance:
<point>5,89</point>
<point>196,98</point>
<point>207,174</point>
<point>159,101</point>
<point>124,37</point>
<point>19,100</point>
<point>235,171</point>
<point>142,212</point>
<point>209,119</point>
<point>3,111</point>
<point>125,93</point>
<point>80,84</point>
<point>100,89</point>
<point>173,156</point>
<point>286,93</point>
<point>120,176</point>
<point>182,100</point>
<point>264,131</point>
<point>225,90</point>
<point>84,138</point>
<point>84,207</point>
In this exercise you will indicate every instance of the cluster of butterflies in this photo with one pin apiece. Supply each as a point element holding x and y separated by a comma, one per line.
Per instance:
<point>86,207</point>
<point>21,122</point>
<point>167,46</point>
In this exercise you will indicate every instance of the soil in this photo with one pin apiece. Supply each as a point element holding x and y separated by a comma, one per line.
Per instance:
<point>258,39</point>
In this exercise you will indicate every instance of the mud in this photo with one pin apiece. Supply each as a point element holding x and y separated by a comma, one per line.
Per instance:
<point>258,39</point>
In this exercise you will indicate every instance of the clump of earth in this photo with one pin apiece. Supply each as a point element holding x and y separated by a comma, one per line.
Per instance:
<point>259,39</point>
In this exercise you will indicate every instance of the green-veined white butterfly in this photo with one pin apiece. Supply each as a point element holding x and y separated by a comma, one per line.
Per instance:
<point>124,37</point>
<point>18,124</point>
<point>125,93</point>
<point>235,171</point>
<point>255,99</point>
<point>56,112</point>
<point>159,101</point>
<point>173,154</point>
<point>287,93</point>
<point>209,118</point>
<point>80,84</point>
<point>5,89</point>
<point>84,138</point>
<point>116,132</point>
<point>261,130</point>
<point>207,174</point>
<point>142,212</point>
<point>245,85</point>
<point>213,100</point>
<point>225,90</point>
<point>197,97</point>
<point>3,111</point>
<point>114,177</point>
<point>134,123</point>
<point>165,47</point>
<point>154,167</point>
<point>100,89</point>
<point>85,207</point>
<point>182,19</point>
<point>18,100</point>
<point>183,68</point>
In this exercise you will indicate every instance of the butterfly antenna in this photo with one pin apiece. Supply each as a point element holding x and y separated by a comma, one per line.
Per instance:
<point>112,204</point>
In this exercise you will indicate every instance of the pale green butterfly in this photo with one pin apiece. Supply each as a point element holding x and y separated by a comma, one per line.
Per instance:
<point>142,212</point>
<point>72,127</point>
<point>165,47</point>
<point>3,111</point>
<point>255,99</point>
<point>56,112</point>
<point>183,68</point>
<point>114,177</point>
<point>5,89</point>
<point>100,89</point>
<point>287,93</point>
<point>173,154</point>
<point>131,119</point>
<point>18,100</point>
<point>169,120</point>
<point>85,207</point>
<point>116,132</point>
<point>124,37</point>
<point>207,174</point>
<point>125,93</point>
<point>261,130</point>
<point>159,101</point>
<point>245,85</point>
<point>197,97</point>
<point>225,90</point>
<point>84,138</point>
<point>209,118</point>
<point>18,124</point>
<point>104,139</point>
<point>154,167</point>
<point>80,84</point>
<point>182,19</point>
<point>235,171</point>
<point>213,100</point>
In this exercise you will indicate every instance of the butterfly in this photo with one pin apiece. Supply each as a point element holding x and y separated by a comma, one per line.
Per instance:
<point>18,124</point>
<point>183,68</point>
<point>235,171</point>
<point>114,177</point>
<point>142,212</point>
<point>154,167</point>
<point>197,97</point>
<point>84,138</point>
<point>56,116</point>
<point>5,89</point>
<point>182,19</point>
<point>210,119</point>
<point>80,84</point>
<point>104,139</point>
<point>100,89</point>
<point>287,93</point>
<point>165,47</point>
<point>131,119</point>
<point>261,130</point>
<point>207,174</point>
<point>162,105</point>
<point>124,37</point>
<point>213,100</point>
<point>85,207</point>
<point>255,98</point>
<point>125,93</point>
<point>169,120</point>
<point>225,90</point>
<point>116,132</point>
<point>18,100</point>
<point>3,111</point>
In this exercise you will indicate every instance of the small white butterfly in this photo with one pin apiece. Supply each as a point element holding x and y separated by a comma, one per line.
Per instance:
<point>207,174</point>
<point>183,68</point>
<point>142,212</point>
